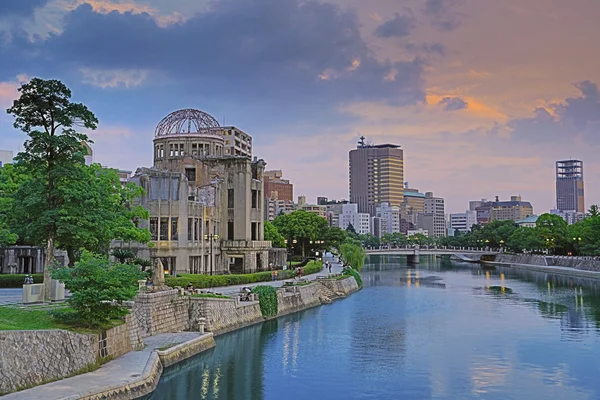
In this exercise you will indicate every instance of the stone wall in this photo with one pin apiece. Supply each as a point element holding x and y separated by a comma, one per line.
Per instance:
<point>345,286</point>
<point>186,350</point>
<point>223,315</point>
<point>302,298</point>
<point>119,340</point>
<point>28,358</point>
<point>277,257</point>
<point>581,263</point>
<point>160,312</point>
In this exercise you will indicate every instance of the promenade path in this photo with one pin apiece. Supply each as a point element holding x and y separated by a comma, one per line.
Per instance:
<point>10,296</point>
<point>124,370</point>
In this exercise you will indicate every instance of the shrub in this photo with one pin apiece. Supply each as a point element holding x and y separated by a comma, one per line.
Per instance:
<point>95,283</point>
<point>355,274</point>
<point>267,299</point>
<point>16,280</point>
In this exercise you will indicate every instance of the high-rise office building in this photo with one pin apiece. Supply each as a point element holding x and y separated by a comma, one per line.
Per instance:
<point>434,217</point>
<point>376,176</point>
<point>276,187</point>
<point>6,157</point>
<point>569,186</point>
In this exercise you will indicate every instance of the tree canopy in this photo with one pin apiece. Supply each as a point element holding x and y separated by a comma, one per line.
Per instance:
<point>273,235</point>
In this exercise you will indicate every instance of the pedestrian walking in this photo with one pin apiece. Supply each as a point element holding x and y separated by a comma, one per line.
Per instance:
<point>274,275</point>
<point>329,268</point>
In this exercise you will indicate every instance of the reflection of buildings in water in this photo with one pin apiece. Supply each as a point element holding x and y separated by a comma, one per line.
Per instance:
<point>223,372</point>
<point>291,339</point>
<point>488,374</point>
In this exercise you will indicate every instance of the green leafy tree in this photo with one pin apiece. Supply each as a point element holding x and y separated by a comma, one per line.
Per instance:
<point>302,226</point>
<point>334,237</point>
<point>594,211</point>
<point>11,179</point>
<point>369,240</point>
<point>273,235</point>
<point>46,114</point>
<point>553,230</point>
<point>99,287</point>
<point>353,254</point>
<point>525,238</point>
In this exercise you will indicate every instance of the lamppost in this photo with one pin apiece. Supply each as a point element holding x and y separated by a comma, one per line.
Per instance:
<point>318,243</point>
<point>576,243</point>
<point>290,250</point>
<point>501,246</point>
<point>487,244</point>
<point>550,244</point>
<point>212,237</point>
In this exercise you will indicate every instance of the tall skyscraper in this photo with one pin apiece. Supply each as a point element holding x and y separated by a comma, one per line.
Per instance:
<point>569,186</point>
<point>376,176</point>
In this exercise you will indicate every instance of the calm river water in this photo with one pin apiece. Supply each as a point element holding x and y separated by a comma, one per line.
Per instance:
<point>440,331</point>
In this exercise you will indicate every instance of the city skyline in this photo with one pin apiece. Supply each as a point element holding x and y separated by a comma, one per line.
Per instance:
<point>475,116</point>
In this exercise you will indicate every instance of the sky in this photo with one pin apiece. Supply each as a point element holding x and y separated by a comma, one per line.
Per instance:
<point>483,95</point>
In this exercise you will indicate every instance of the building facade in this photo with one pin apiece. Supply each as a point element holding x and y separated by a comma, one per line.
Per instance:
<point>463,222</point>
<point>6,157</point>
<point>513,210</point>
<point>206,206</point>
<point>570,194</point>
<point>570,217</point>
<point>434,217</point>
<point>350,216</point>
<point>376,176</point>
<point>389,218</point>
<point>278,188</point>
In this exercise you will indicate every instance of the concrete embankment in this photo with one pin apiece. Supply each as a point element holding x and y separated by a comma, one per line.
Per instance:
<point>151,329</point>
<point>570,266</point>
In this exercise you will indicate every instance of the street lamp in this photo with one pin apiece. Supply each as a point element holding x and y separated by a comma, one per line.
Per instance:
<point>501,246</point>
<point>576,243</point>
<point>290,250</point>
<point>212,237</point>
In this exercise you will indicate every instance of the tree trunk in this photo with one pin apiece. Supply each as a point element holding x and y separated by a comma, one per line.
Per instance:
<point>71,255</point>
<point>48,264</point>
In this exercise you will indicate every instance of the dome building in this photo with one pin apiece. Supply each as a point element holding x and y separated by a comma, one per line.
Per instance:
<point>205,198</point>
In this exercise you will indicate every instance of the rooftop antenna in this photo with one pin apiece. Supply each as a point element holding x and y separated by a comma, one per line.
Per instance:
<point>361,142</point>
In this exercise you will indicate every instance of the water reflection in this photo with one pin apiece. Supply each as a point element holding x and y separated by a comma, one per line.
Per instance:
<point>441,330</point>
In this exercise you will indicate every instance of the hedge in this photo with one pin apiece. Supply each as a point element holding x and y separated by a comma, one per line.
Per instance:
<point>267,300</point>
<point>14,281</point>
<point>208,281</point>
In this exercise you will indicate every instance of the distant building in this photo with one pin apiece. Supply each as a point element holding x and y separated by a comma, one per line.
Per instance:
<point>463,221</point>
<point>414,232</point>
<point>278,188</point>
<point>390,217</point>
<point>512,210</point>
<point>376,226</point>
<point>301,200</point>
<point>570,217</point>
<point>376,176</point>
<point>529,222</point>
<point>350,216</point>
<point>434,218</point>
<point>6,157</point>
<point>322,201</point>
<point>569,186</point>
<point>321,211</point>
<point>334,209</point>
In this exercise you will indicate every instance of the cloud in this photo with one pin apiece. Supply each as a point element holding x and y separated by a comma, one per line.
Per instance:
<point>575,117</point>
<point>113,78</point>
<point>9,92</point>
<point>399,26</point>
<point>453,104</point>
<point>443,14</point>
<point>432,48</point>
<point>281,49</point>
<point>19,8</point>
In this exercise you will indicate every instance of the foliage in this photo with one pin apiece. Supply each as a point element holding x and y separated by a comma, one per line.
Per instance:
<point>334,237</point>
<point>355,274</point>
<point>267,299</point>
<point>369,240</point>
<point>394,239</point>
<point>273,235</point>
<point>16,280</point>
<point>94,282</point>
<point>142,262</point>
<point>313,267</point>
<point>54,149</point>
<point>123,255</point>
<point>353,254</point>
<point>419,239</point>
<point>11,178</point>
<point>302,226</point>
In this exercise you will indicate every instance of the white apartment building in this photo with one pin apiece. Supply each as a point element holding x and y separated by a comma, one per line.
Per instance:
<point>434,219</point>
<point>390,218</point>
<point>413,232</point>
<point>463,221</point>
<point>360,221</point>
<point>6,157</point>
<point>570,217</point>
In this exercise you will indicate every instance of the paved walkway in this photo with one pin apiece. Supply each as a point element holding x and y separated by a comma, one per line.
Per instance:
<point>122,371</point>
<point>10,296</point>
<point>336,268</point>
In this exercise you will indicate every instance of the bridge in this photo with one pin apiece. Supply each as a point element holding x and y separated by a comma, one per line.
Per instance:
<point>413,253</point>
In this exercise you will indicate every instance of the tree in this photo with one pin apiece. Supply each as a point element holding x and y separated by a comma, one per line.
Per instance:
<point>553,230</point>
<point>353,254</point>
<point>594,211</point>
<point>334,237</point>
<point>525,238</point>
<point>273,235</point>
<point>46,114</point>
<point>302,226</point>
<point>99,287</point>
<point>11,178</point>
<point>369,240</point>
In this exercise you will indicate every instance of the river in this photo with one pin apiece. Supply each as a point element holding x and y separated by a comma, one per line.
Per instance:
<point>442,330</point>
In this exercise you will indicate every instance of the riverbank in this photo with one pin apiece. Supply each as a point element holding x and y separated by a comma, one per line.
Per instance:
<point>155,315</point>
<point>573,267</point>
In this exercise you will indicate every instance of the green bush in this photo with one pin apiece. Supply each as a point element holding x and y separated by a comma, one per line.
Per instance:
<point>355,274</point>
<point>313,267</point>
<point>16,280</point>
<point>267,299</point>
<point>94,282</point>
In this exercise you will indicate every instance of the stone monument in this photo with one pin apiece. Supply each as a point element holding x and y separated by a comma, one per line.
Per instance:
<point>158,276</point>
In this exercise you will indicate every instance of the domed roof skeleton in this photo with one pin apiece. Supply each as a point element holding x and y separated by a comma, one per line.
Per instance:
<point>184,122</point>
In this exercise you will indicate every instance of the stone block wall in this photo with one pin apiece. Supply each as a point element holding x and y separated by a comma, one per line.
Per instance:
<point>555,261</point>
<point>117,341</point>
<point>159,312</point>
<point>346,286</point>
<point>29,358</point>
<point>305,297</point>
<point>223,315</point>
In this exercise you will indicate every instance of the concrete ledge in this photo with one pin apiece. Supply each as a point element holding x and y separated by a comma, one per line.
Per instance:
<point>550,270</point>
<point>186,350</point>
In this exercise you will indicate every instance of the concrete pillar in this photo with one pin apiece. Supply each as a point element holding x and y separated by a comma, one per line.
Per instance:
<point>415,258</point>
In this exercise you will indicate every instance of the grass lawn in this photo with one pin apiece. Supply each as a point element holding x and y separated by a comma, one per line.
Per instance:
<point>12,318</point>
<point>38,318</point>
